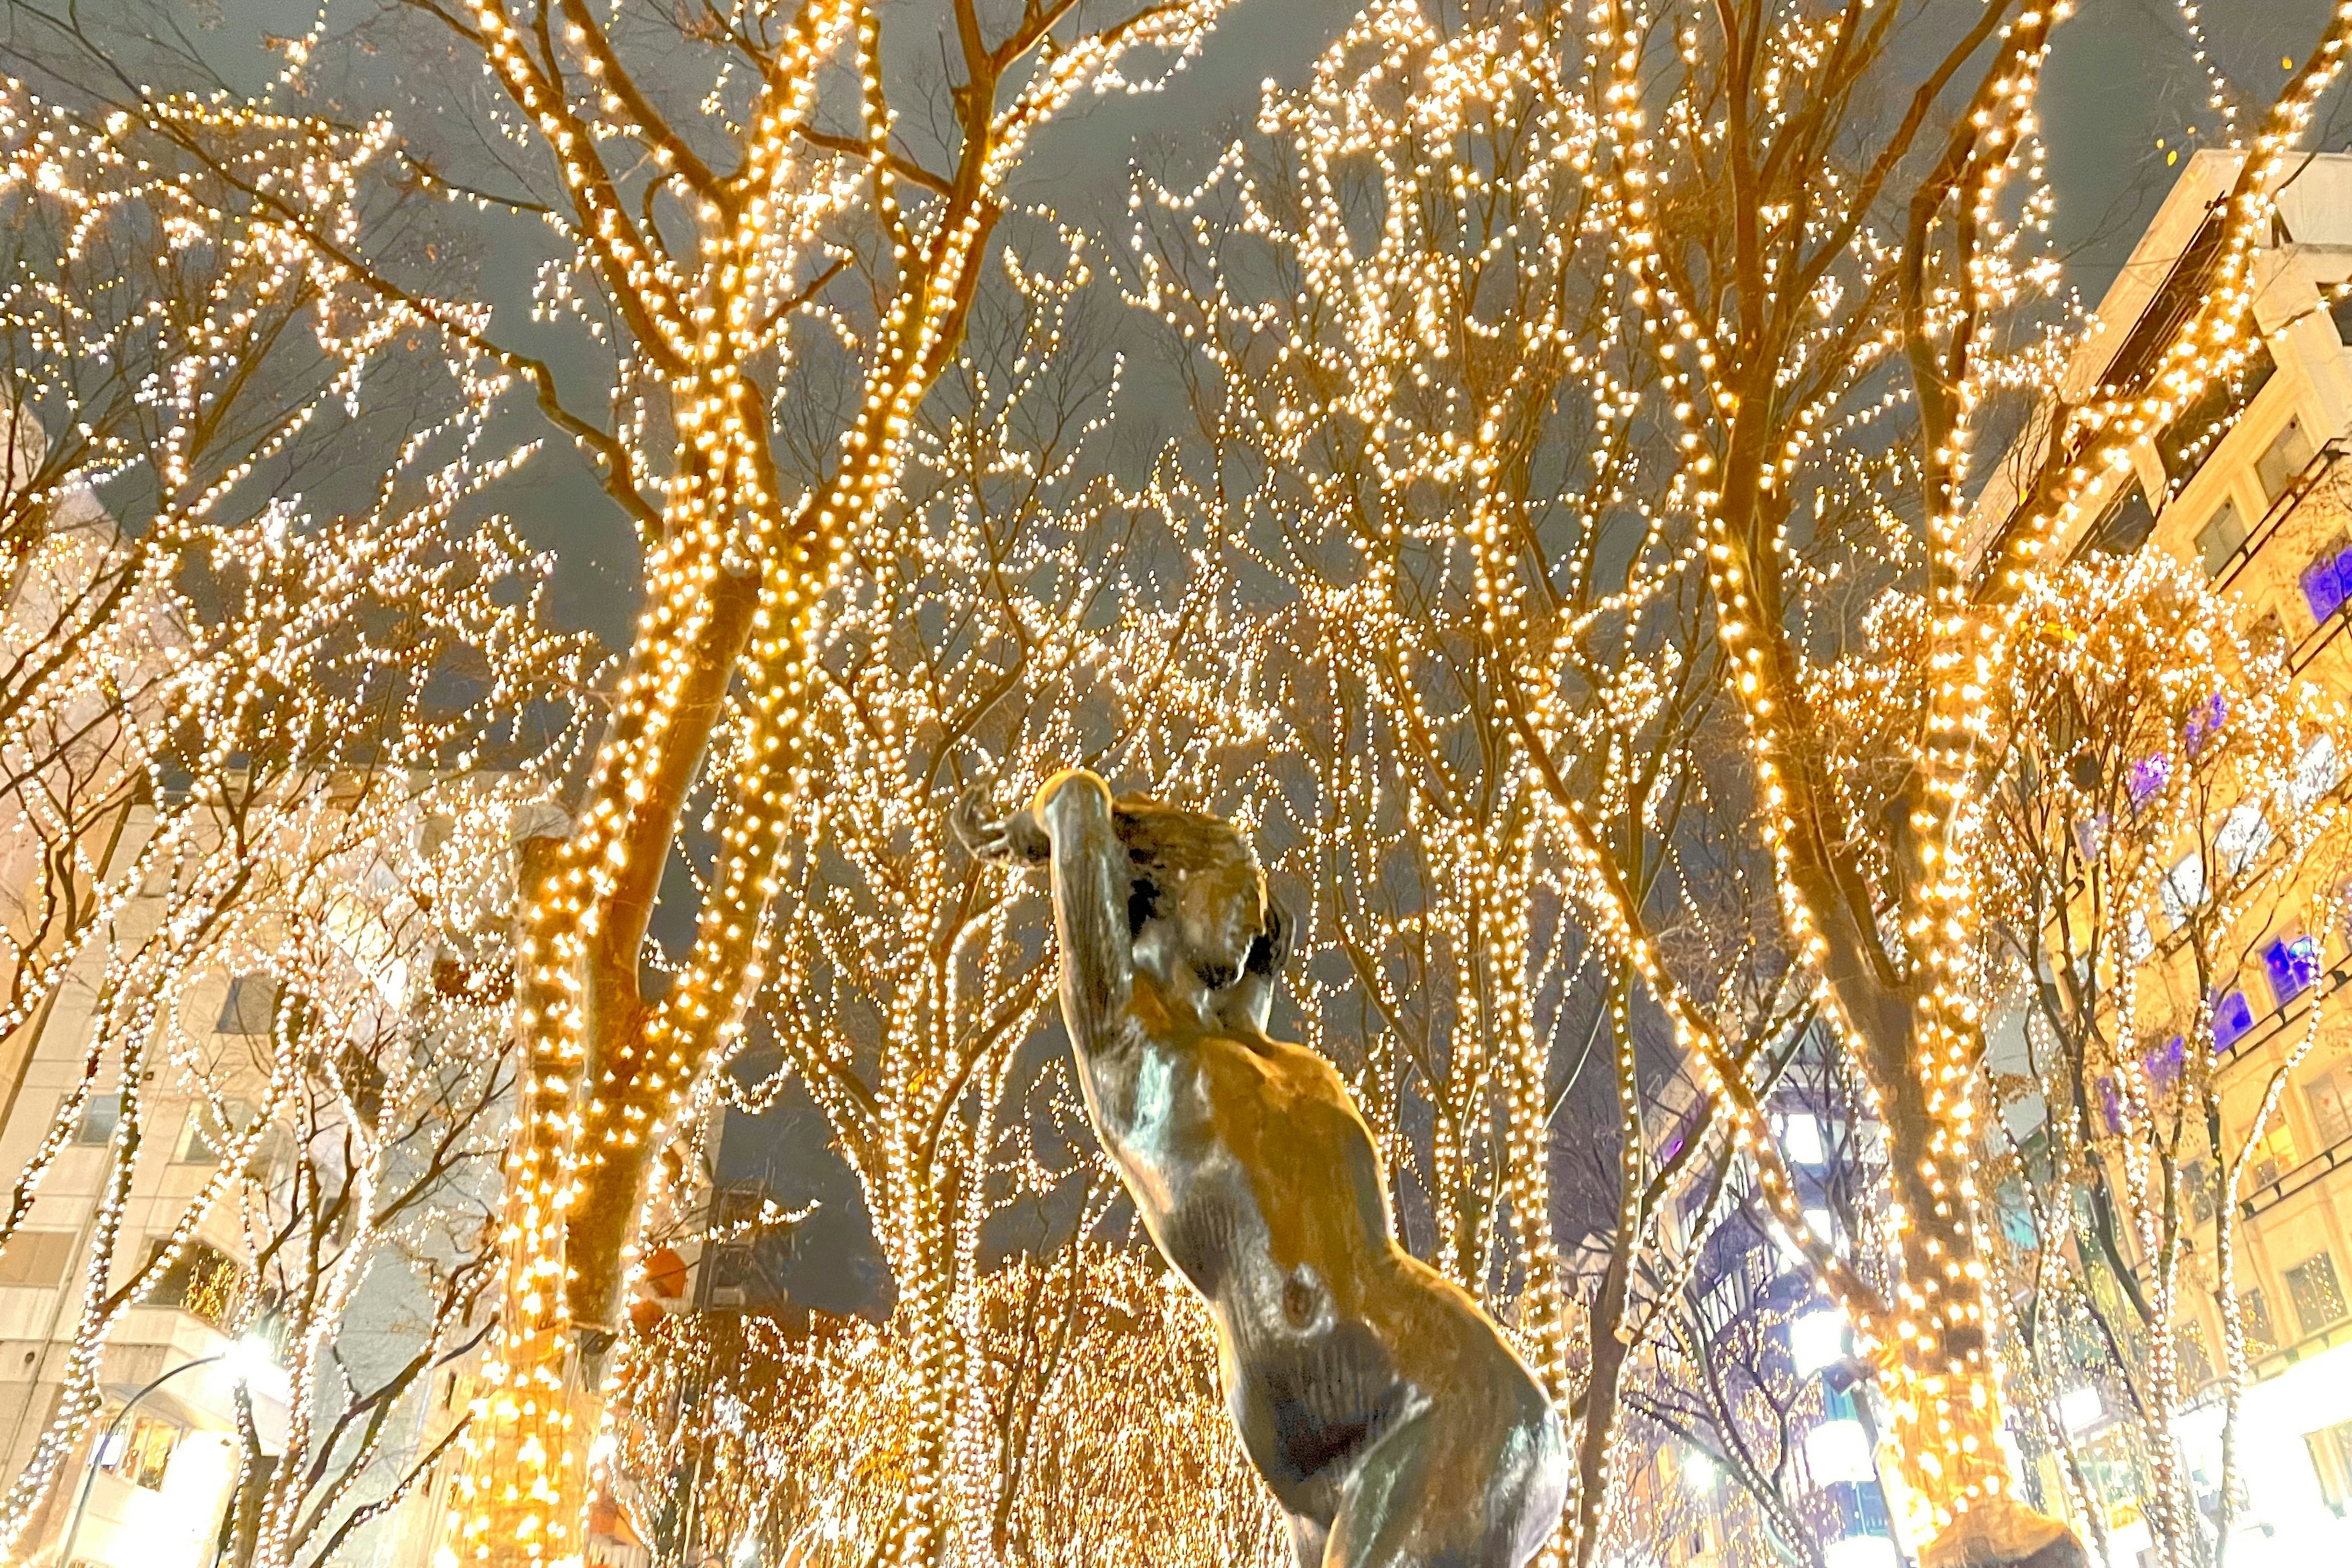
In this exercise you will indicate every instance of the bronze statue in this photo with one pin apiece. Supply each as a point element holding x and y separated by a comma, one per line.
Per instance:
<point>1391,1420</point>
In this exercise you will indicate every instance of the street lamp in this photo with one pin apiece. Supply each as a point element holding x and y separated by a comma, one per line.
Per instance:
<point>247,1357</point>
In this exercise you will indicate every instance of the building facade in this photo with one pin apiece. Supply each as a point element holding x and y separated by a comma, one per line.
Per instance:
<point>2250,487</point>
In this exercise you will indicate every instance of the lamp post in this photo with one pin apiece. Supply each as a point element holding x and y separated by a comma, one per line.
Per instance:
<point>244,1351</point>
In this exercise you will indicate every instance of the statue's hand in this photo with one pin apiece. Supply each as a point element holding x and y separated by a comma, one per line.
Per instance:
<point>1016,838</point>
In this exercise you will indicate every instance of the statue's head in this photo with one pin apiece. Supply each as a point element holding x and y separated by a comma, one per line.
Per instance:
<point>1202,920</point>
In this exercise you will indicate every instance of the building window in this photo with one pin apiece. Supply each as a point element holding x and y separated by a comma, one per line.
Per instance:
<point>2192,1368</point>
<point>2254,1322</point>
<point>2242,837</point>
<point>100,1112</point>
<point>2183,889</point>
<point>2318,1299</point>
<point>202,1139</point>
<point>251,1006</point>
<point>2292,965</point>
<point>2317,772</point>
<point>2232,1017</point>
<point>2283,460</point>
<point>2217,542</point>
<point>2330,1097</point>
<point>2327,581</point>
<point>2270,1158</point>
<point>203,1280</point>
<point>2331,1455</point>
<point>2125,525</point>
<point>37,1258</point>
<point>140,1451</point>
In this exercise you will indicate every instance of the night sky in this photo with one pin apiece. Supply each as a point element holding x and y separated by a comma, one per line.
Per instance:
<point>2120,77</point>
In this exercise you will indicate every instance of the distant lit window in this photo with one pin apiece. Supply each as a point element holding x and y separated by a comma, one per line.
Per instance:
<point>2318,1299</point>
<point>1801,1137</point>
<point>2317,772</point>
<point>2233,1016</point>
<point>2327,581</point>
<point>100,1112</point>
<point>2291,963</point>
<point>2330,1097</point>
<point>1838,1451</point>
<point>2166,1057</point>
<point>2255,1318</point>
<point>2270,1158</point>
<point>2285,459</point>
<point>2218,541</point>
<point>201,1279</point>
<point>140,1451</point>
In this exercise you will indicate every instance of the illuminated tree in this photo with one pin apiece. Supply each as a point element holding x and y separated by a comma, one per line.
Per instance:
<point>800,1428</point>
<point>1815,262</point>
<point>1014,612</point>
<point>216,714</point>
<point>1397,303</point>
<point>706,229</point>
<point>1823,293</point>
<point>371,1207</point>
<point>2165,791</point>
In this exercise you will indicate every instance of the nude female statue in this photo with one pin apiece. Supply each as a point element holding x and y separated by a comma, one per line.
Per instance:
<point>1393,1423</point>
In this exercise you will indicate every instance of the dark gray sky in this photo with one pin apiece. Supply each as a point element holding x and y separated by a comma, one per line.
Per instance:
<point>2121,76</point>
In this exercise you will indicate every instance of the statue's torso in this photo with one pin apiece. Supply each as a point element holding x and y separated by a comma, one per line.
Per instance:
<point>1262,1186</point>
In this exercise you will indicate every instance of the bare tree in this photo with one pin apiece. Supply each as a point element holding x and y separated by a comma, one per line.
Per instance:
<point>189,701</point>
<point>2166,787</point>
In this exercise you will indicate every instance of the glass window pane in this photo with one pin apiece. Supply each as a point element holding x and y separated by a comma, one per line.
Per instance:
<point>2232,1017</point>
<point>251,1006</point>
<point>2330,1097</point>
<point>2254,1320</point>
<point>2283,460</point>
<point>2219,540</point>
<point>2291,963</point>
<point>100,1112</point>
<point>2318,1299</point>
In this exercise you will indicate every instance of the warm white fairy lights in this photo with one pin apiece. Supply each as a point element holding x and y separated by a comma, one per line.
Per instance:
<point>736,566</point>
<point>800,1437</point>
<point>223,715</point>
<point>2134,702</point>
<point>1759,326</point>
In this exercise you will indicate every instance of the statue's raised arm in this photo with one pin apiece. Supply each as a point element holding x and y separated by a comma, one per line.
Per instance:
<point>1393,1423</point>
